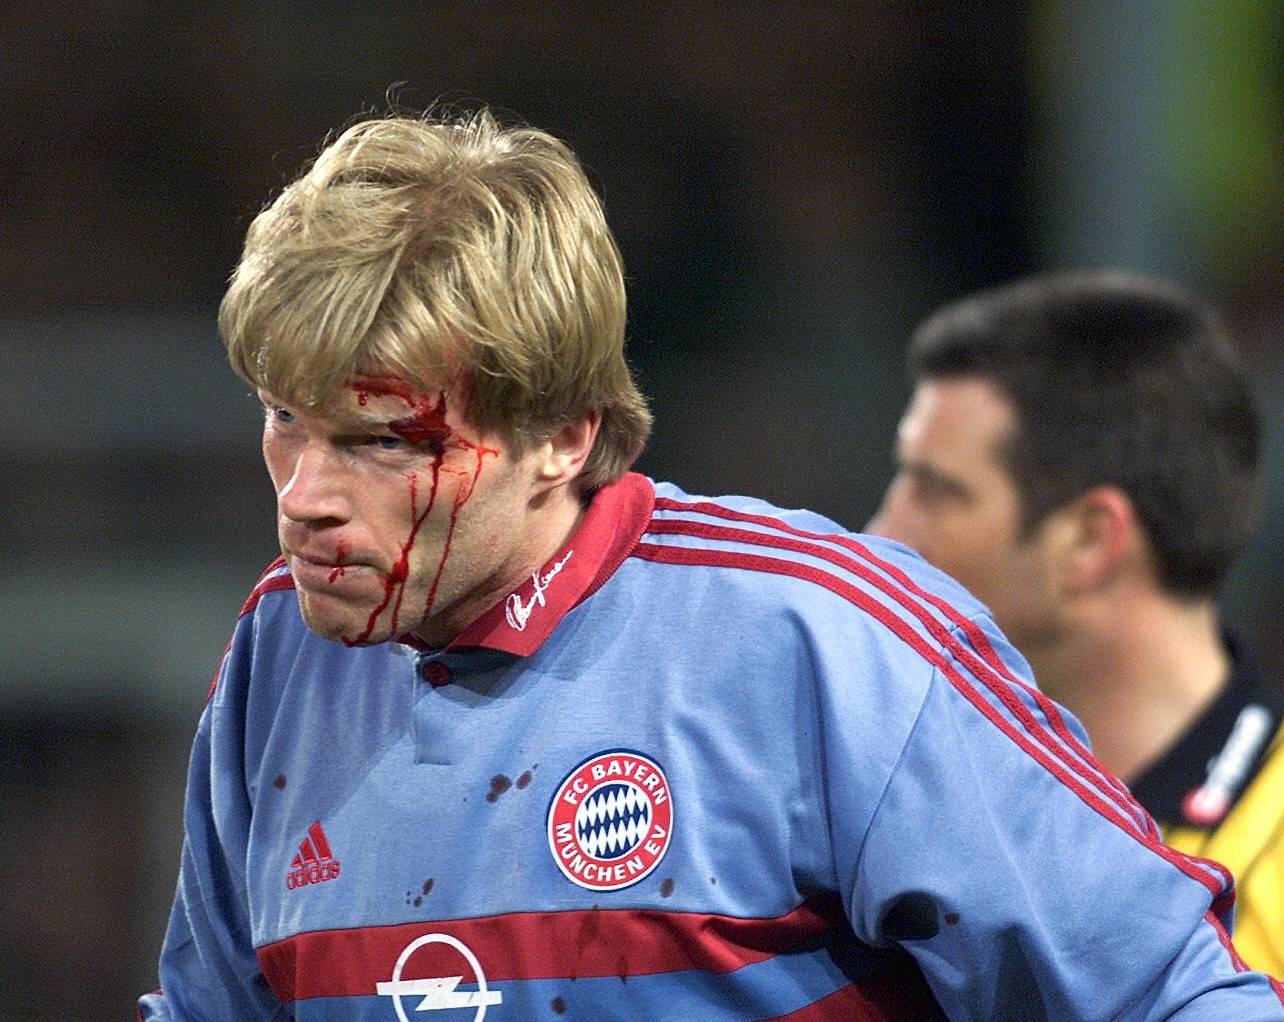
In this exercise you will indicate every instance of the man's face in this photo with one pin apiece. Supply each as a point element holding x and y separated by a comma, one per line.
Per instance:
<point>954,501</point>
<point>394,514</point>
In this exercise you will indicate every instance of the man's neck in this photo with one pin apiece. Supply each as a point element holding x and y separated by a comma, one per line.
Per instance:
<point>1137,673</point>
<point>548,526</point>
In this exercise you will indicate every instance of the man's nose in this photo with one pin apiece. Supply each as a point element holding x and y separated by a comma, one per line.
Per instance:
<point>316,492</point>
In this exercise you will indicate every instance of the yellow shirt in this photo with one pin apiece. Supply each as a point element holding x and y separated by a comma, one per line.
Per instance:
<point>1249,842</point>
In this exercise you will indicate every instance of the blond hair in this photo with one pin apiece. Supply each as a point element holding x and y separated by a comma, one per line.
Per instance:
<point>447,250</point>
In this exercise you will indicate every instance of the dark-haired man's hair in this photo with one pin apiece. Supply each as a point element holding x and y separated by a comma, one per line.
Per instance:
<point>1118,380</point>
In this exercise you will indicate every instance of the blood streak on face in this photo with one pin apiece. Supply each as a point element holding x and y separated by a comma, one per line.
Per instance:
<point>425,426</point>
<point>340,554</point>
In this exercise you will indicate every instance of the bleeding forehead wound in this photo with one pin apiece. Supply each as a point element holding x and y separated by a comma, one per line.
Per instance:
<point>425,422</point>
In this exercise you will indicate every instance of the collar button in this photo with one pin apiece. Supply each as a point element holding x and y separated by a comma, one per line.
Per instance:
<point>436,674</point>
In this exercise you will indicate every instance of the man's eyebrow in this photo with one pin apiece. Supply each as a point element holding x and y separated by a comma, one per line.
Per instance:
<point>933,476</point>
<point>361,418</point>
<point>349,420</point>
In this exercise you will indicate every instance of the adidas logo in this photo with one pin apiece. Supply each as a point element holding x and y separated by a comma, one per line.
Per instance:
<point>315,862</point>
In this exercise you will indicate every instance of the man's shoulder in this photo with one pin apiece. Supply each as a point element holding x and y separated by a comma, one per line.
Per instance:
<point>874,621</point>
<point>275,578</point>
<point>748,532</point>
<point>851,604</point>
<point>269,626</point>
<point>670,498</point>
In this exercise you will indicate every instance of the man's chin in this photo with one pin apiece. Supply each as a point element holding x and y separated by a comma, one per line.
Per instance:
<point>339,622</point>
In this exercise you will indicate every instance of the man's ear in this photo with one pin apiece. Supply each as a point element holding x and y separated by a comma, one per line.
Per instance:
<point>563,454</point>
<point>1101,538</point>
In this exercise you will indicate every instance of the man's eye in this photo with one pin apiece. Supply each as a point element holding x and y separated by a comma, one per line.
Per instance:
<point>935,493</point>
<point>928,491</point>
<point>280,414</point>
<point>388,443</point>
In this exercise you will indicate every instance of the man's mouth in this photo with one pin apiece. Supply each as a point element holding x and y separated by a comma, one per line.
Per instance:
<point>325,569</point>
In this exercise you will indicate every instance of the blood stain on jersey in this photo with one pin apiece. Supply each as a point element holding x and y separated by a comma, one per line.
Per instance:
<point>666,888</point>
<point>611,820</point>
<point>912,916</point>
<point>279,782</point>
<point>588,929</point>
<point>498,785</point>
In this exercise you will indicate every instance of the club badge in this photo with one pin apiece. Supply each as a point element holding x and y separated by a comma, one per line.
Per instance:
<point>611,820</point>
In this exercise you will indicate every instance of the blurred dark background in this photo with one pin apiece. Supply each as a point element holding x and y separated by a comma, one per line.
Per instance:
<point>793,187</point>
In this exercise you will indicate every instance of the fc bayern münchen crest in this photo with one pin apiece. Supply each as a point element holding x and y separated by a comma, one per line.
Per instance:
<point>611,820</point>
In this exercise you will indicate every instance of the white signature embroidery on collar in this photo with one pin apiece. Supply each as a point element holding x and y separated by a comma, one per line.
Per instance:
<point>517,612</point>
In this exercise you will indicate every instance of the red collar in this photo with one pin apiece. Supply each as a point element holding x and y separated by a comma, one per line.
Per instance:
<point>610,529</point>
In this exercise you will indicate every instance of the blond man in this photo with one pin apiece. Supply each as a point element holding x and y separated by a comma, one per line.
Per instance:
<point>512,732</point>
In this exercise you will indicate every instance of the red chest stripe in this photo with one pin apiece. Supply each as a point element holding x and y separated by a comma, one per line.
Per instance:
<point>546,945</point>
<point>892,994</point>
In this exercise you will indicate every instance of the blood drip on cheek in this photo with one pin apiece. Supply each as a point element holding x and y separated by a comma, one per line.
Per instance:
<point>425,426</point>
<point>461,498</point>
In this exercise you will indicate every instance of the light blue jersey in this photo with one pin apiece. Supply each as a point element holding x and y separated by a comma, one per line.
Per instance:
<point>715,761</point>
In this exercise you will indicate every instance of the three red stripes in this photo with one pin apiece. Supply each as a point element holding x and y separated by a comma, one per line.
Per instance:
<point>1074,765</point>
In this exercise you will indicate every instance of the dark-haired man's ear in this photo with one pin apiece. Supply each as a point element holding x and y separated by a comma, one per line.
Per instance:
<point>562,456</point>
<point>1103,539</point>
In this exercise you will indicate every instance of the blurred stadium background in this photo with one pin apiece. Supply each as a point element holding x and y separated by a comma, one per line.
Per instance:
<point>793,185</point>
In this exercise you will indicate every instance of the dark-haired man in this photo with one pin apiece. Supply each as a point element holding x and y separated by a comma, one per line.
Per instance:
<point>1081,451</point>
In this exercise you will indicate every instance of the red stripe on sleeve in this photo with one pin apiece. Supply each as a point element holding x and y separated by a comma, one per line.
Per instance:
<point>267,585</point>
<point>1211,918</point>
<point>264,585</point>
<point>1102,806</point>
<point>1096,774</point>
<point>219,673</point>
<point>1239,963</point>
